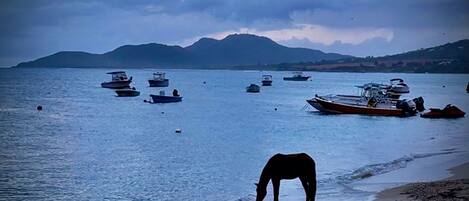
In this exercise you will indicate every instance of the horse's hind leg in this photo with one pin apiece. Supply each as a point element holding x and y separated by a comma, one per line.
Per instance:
<point>304,182</point>
<point>312,186</point>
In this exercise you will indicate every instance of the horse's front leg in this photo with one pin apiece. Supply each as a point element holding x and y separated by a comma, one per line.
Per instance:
<point>276,185</point>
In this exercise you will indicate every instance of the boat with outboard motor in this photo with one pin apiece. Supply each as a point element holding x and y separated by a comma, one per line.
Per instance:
<point>297,76</point>
<point>158,80</point>
<point>394,89</point>
<point>266,80</point>
<point>119,80</point>
<point>372,101</point>
<point>162,98</point>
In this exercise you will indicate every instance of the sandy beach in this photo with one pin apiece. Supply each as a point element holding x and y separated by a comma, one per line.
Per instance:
<point>455,187</point>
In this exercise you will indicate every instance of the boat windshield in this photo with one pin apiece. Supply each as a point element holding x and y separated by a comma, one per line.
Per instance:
<point>267,77</point>
<point>297,74</point>
<point>119,76</point>
<point>373,92</point>
<point>158,76</point>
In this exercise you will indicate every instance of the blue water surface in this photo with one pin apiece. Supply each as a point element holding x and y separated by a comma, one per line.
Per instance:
<point>88,144</point>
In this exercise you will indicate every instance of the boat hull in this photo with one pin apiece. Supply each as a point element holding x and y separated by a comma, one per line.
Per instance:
<point>339,108</point>
<point>296,78</point>
<point>127,93</point>
<point>159,83</point>
<point>165,99</point>
<point>253,89</point>
<point>116,84</point>
<point>266,82</point>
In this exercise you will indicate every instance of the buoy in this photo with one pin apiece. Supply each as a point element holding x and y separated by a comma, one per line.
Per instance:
<point>162,112</point>
<point>275,109</point>
<point>178,130</point>
<point>39,107</point>
<point>205,82</point>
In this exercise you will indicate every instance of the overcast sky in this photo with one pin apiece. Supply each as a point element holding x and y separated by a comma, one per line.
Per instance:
<point>32,29</point>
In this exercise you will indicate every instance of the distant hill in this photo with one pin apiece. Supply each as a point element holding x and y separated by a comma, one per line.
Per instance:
<point>447,58</point>
<point>234,50</point>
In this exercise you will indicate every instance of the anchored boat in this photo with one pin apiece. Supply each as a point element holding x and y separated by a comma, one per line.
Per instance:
<point>450,111</point>
<point>119,81</point>
<point>127,92</point>
<point>253,88</point>
<point>162,98</point>
<point>266,80</point>
<point>297,76</point>
<point>158,80</point>
<point>394,89</point>
<point>373,101</point>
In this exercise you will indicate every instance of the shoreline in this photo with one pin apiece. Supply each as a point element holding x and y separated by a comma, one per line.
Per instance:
<point>455,187</point>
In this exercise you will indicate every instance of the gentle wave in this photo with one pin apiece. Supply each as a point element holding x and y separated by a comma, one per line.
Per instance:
<point>382,168</point>
<point>372,170</point>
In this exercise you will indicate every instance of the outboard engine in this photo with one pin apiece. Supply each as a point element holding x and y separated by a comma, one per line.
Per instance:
<point>408,106</point>
<point>419,104</point>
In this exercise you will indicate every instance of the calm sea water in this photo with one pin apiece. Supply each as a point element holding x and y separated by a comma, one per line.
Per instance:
<point>88,144</point>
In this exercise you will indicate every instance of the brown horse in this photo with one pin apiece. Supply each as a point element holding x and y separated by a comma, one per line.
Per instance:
<point>289,166</point>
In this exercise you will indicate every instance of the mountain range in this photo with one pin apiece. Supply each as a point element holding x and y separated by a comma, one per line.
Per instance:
<point>246,51</point>
<point>447,58</point>
<point>233,50</point>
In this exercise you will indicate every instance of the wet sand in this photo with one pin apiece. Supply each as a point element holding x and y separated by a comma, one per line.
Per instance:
<point>455,187</point>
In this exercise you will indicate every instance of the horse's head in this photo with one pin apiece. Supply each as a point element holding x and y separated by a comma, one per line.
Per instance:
<point>261,192</point>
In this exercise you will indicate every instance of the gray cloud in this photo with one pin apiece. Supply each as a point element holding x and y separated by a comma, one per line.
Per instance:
<point>31,29</point>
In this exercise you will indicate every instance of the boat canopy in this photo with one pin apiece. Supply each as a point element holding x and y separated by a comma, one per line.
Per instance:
<point>397,79</point>
<point>267,77</point>
<point>116,72</point>
<point>159,76</point>
<point>119,76</point>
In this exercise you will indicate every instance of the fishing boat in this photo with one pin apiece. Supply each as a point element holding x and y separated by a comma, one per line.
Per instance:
<point>373,101</point>
<point>266,80</point>
<point>158,80</point>
<point>395,89</point>
<point>397,85</point>
<point>297,76</point>
<point>127,92</point>
<point>450,111</point>
<point>162,98</point>
<point>253,88</point>
<point>119,80</point>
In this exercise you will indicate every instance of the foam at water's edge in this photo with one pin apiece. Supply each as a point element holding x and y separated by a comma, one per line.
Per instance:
<point>372,170</point>
<point>382,168</point>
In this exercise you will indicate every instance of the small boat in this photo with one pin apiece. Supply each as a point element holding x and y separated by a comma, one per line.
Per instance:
<point>158,80</point>
<point>127,92</point>
<point>395,89</point>
<point>119,81</point>
<point>165,99</point>
<point>373,101</point>
<point>397,85</point>
<point>266,80</point>
<point>467,87</point>
<point>253,88</point>
<point>162,98</point>
<point>297,76</point>
<point>450,111</point>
